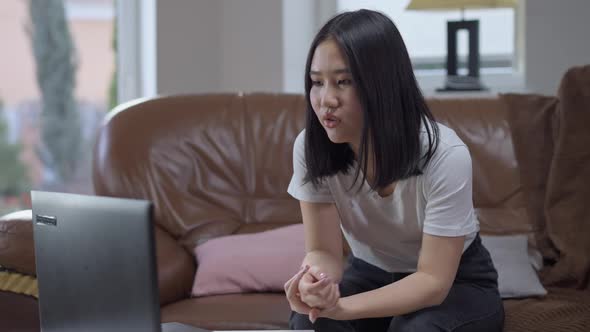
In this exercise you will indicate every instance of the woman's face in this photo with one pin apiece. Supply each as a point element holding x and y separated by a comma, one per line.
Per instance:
<point>333,95</point>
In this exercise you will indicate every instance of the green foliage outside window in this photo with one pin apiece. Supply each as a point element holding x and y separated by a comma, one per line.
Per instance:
<point>113,87</point>
<point>13,177</point>
<point>56,68</point>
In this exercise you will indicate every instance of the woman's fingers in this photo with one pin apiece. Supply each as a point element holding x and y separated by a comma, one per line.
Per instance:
<point>328,298</point>
<point>325,300</point>
<point>298,275</point>
<point>313,315</point>
<point>317,273</point>
<point>310,291</point>
<point>313,300</point>
<point>314,294</point>
<point>320,285</point>
<point>332,301</point>
<point>310,286</point>
<point>291,290</point>
<point>328,289</point>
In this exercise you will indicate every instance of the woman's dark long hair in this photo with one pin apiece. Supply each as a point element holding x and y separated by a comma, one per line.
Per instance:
<point>392,104</point>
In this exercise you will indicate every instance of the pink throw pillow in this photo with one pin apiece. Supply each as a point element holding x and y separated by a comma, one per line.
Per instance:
<point>248,263</point>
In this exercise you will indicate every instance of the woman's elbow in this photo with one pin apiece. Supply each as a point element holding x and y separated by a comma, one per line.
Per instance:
<point>439,293</point>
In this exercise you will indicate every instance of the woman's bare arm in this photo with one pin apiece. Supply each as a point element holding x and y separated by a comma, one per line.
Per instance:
<point>323,239</point>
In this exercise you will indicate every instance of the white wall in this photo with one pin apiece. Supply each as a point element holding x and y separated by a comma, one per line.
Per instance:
<point>301,19</point>
<point>557,37</point>
<point>188,45</point>
<point>251,45</point>
<point>260,45</point>
<point>298,30</point>
<point>219,46</point>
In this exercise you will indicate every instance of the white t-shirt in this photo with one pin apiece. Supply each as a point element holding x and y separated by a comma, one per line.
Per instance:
<point>387,231</point>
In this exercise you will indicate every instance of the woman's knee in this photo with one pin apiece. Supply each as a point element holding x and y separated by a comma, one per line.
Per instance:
<point>414,323</point>
<point>299,322</point>
<point>432,320</point>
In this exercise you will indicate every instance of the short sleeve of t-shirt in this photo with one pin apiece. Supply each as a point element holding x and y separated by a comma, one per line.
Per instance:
<point>297,187</point>
<point>448,191</point>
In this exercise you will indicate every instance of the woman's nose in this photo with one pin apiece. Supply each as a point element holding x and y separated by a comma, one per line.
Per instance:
<point>329,98</point>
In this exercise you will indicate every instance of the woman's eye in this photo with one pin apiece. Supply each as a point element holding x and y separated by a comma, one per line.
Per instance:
<point>316,83</point>
<point>344,82</point>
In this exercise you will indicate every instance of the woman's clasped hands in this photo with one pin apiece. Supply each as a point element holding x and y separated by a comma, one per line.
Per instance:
<point>311,292</point>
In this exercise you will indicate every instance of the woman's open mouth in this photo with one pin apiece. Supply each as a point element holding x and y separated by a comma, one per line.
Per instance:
<point>330,121</point>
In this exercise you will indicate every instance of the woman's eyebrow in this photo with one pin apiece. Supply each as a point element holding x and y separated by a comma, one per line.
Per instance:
<point>335,71</point>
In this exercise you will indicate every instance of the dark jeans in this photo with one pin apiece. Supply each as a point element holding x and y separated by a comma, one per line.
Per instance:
<point>473,303</point>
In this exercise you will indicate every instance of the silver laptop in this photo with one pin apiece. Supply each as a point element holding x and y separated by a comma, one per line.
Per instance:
<point>96,264</point>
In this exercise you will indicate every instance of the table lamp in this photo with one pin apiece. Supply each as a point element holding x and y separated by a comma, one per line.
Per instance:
<point>454,81</point>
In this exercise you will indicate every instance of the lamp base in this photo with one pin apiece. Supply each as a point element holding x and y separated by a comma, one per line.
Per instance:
<point>462,83</point>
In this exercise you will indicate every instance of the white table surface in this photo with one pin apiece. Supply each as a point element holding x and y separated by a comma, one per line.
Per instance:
<point>179,327</point>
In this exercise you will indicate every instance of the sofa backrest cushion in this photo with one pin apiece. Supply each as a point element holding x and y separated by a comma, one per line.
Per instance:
<point>534,125</point>
<point>568,192</point>
<point>482,123</point>
<point>216,165</point>
<point>210,163</point>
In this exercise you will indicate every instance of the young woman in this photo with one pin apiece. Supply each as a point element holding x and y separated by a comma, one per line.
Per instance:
<point>374,164</point>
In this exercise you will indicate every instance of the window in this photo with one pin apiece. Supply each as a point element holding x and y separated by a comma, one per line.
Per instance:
<point>32,124</point>
<point>425,34</point>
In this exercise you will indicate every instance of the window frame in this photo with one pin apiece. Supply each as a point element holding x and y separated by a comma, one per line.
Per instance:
<point>136,49</point>
<point>497,80</point>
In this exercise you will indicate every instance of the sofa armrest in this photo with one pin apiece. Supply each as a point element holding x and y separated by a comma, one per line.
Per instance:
<point>176,268</point>
<point>17,250</point>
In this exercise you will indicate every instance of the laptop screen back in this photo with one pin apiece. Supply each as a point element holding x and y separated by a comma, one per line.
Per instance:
<point>96,265</point>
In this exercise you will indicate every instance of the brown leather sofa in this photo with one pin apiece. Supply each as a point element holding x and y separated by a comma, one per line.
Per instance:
<point>220,164</point>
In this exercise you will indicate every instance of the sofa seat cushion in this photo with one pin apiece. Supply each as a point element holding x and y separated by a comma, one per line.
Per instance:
<point>561,309</point>
<point>18,312</point>
<point>231,312</point>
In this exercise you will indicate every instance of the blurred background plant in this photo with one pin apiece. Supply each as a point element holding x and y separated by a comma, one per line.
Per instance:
<point>14,181</point>
<point>54,52</point>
